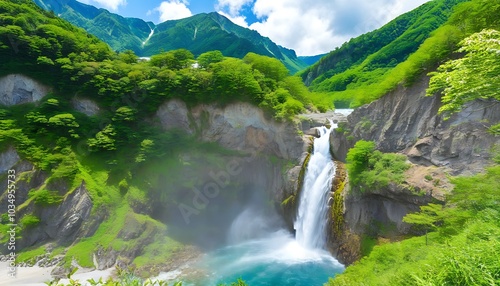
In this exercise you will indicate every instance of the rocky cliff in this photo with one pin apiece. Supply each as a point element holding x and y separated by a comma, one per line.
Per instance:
<point>262,161</point>
<point>406,121</point>
<point>18,89</point>
<point>243,127</point>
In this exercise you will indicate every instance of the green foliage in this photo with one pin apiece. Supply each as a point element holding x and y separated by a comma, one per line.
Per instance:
<point>463,251</point>
<point>174,60</point>
<point>29,221</point>
<point>358,158</point>
<point>427,219</point>
<point>373,64</point>
<point>474,76</point>
<point>123,186</point>
<point>45,198</point>
<point>104,139</point>
<point>271,68</point>
<point>207,58</point>
<point>370,168</point>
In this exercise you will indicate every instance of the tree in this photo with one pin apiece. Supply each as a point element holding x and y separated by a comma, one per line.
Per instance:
<point>104,139</point>
<point>474,76</point>
<point>233,79</point>
<point>175,60</point>
<point>128,57</point>
<point>205,59</point>
<point>427,218</point>
<point>270,67</point>
<point>357,159</point>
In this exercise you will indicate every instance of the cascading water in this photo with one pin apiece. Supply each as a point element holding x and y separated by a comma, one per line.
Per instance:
<point>311,221</point>
<point>262,252</point>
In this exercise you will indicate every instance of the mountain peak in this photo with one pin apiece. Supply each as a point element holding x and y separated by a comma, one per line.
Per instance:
<point>199,33</point>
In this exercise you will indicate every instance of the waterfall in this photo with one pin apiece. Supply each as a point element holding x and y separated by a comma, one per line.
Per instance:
<point>262,252</point>
<point>311,221</point>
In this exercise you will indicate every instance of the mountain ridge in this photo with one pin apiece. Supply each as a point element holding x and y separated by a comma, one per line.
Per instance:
<point>199,33</point>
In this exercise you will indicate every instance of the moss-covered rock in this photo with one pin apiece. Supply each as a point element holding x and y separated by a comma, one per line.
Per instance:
<point>342,242</point>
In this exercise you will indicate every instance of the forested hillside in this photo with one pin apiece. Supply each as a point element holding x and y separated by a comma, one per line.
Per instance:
<point>198,34</point>
<point>119,32</point>
<point>457,240</point>
<point>369,66</point>
<point>104,153</point>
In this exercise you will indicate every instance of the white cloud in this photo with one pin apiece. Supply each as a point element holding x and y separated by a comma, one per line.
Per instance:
<point>108,4</point>
<point>238,20</point>
<point>232,7</point>
<point>173,10</point>
<point>314,27</point>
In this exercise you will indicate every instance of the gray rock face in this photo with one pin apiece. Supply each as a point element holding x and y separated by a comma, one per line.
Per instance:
<point>62,223</point>
<point>311,120</point>
<point>18,89</point>
<point>407,121</point>
<point>173,114</point>
<point>238,126</point>
<point>8,159</point>
<point>85,106</point>
<point>387,206</point>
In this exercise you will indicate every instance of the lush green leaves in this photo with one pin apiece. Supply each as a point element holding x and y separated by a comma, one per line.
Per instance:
<point>45,198</point>
<point>205,59</point>
<point>29,220</point>
<point>371,168</point>
<point>474,76</point>
<point>464,251</point>
<point>357,159</point>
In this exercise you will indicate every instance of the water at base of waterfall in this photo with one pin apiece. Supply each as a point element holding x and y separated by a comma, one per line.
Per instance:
<point>262,255</point>
<point>275,260</point>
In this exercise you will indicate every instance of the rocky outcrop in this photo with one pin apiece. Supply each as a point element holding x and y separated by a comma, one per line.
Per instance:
<point>62,223</point>
<point>275,151</point>
<point>8,159</point>
<point>407,121</point>
<point>379,212</point>
<point>237,126</point>
<point>85,106</point>
<point>18,89</point>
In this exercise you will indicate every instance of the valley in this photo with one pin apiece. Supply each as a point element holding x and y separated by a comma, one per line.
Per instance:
<point>225,159</point>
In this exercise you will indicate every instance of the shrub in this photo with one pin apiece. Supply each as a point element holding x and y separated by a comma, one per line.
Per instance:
<point>371,168</point>
<point>45,197</point>
<point>123,186</point>
<point>29,220</point>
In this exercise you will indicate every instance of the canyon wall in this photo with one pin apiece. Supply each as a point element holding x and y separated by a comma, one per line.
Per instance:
<point>406,121</point>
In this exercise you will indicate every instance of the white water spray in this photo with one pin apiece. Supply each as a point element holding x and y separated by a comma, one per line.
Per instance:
<point>311,221</point>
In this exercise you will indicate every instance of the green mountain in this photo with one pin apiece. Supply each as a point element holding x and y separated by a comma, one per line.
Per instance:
<point>119,32</point>
<point>90,135</point>
<point>199,33</point>
<point>145,164</point>
<point>350,71</point>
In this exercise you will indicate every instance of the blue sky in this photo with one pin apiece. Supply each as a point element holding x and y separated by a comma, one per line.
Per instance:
<point>309,27</point>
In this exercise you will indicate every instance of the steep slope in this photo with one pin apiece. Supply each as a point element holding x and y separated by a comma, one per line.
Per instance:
<point>461,141</point>
<point>108,152</point>
<point>212,31</point>
<point>369,58</point>
<point>199,33</point>
<point>119,32</point>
